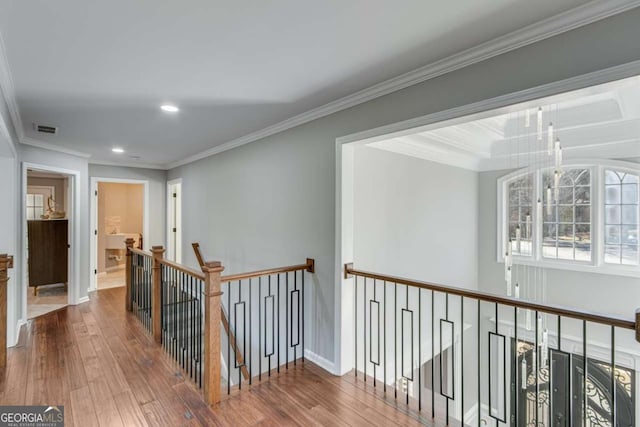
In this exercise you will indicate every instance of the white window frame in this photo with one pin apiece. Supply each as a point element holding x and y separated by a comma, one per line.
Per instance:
<point>597,264</point>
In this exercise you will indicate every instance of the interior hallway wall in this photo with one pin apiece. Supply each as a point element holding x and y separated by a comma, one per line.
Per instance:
<point>415,218</point>
<point>272,202</point>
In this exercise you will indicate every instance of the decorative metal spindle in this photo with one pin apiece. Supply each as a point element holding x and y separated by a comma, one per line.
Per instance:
<point>479,366</point>
<point>229,338</point>
<point>286,318</point>
<point>278,316</point>
<point>395,340</point>
<point>370,331</point>
<point>250,358</point>
<point>515,363</point>
<point>273,315</point>
<point>355,321</point>
<point>260,329</point>
<point>295,347</point>
<point>613,378</point>
<point>585,372</point>
<point>384,336</point>
<point>364,326</point>
<point>419,350</point>
<point>433,355</point>
<point>301,305</point>
<point>537,367</point>
<point>462,357</point>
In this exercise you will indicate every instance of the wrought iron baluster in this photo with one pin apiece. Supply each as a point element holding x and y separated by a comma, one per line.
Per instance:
<point>364,335</point>
<point>250,355</point>
<point>229,338</point>
<point>286,310</point>
<point>355,321</point>
<point>260,329</point>
<point>278,316</point>
<point>613,378</point>
<point>384,332</point>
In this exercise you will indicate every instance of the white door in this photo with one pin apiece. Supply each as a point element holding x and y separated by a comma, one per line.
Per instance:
<point>174,220</point>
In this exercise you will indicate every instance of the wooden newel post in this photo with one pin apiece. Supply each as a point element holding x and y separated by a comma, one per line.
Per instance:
<point>212,309</point>
<point>6,262</point>
<point>128,267</point>
<point>156,301</point>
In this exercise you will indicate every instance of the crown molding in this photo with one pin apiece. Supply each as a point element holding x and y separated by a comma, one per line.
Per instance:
<point>8,94</point>
<point>53,147</point>
<point>128,164</point>
<point>580,16</point>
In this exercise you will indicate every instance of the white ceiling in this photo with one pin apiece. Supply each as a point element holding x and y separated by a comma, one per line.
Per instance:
<point>99,69</point>
<point>598,122</point>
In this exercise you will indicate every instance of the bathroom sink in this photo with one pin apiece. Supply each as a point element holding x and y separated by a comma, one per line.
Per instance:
<point>116,241</point>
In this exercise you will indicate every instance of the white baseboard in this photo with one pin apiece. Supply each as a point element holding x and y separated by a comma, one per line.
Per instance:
<point>81,300</point>
<point>325,364</point>
<point>19,326</point>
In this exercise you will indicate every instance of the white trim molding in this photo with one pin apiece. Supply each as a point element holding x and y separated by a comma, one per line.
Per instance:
<point>8,91</point>
<point>580,16</point>
<point>128,164</point>
<point>49,146</point>
<point>325,364</point>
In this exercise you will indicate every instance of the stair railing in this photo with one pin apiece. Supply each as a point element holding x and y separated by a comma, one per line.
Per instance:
<point>471,358</point>
<point>182,309</point>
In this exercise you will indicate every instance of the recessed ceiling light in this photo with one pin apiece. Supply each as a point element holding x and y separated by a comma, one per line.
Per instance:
<point>117,150</point>
<point>169,108</point>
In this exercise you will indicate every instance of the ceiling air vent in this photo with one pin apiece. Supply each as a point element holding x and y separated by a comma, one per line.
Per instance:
<point>51,130</point>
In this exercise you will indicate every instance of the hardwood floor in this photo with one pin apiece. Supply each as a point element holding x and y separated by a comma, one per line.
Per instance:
<point>97,361</point>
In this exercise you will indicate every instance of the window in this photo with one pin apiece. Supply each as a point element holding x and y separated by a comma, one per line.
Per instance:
<point>589,220</point>
<point>521,215</point>
<point>35,206</point>
<point>37,200</point>
<point>567,223</point>
<point>621,218</point>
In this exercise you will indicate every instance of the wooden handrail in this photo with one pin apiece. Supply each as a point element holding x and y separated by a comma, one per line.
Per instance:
<point>225,322</point>
<point>558,310</point>
<point>186,270</point>
<point>308,266</point>
<point>141,252</point>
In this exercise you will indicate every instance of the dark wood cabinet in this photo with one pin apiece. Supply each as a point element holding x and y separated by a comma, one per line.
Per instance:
<point>48,252</point>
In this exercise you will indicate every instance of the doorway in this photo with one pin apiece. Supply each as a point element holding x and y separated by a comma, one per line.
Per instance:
<point>48,236</point>
<point>174,220</point>
<point>119,213</point>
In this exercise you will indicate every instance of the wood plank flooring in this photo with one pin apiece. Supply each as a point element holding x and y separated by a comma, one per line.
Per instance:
<point>97,361</point>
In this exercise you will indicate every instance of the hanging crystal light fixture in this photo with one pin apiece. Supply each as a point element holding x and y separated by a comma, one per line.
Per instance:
<point>549,201</point>
<point>508,264</point>
<point>539,123</point>
<point>516,290</point>
<point>550,138</point>
<point>523,374</point>
<point>527,118</point>
<point>544,351</point>
<point>518,239</point>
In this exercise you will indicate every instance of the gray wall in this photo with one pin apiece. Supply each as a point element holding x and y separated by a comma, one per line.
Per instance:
<point>415,218</point>
<point>157,196</point>
<point>9,239</point>
<point>273,201</point>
